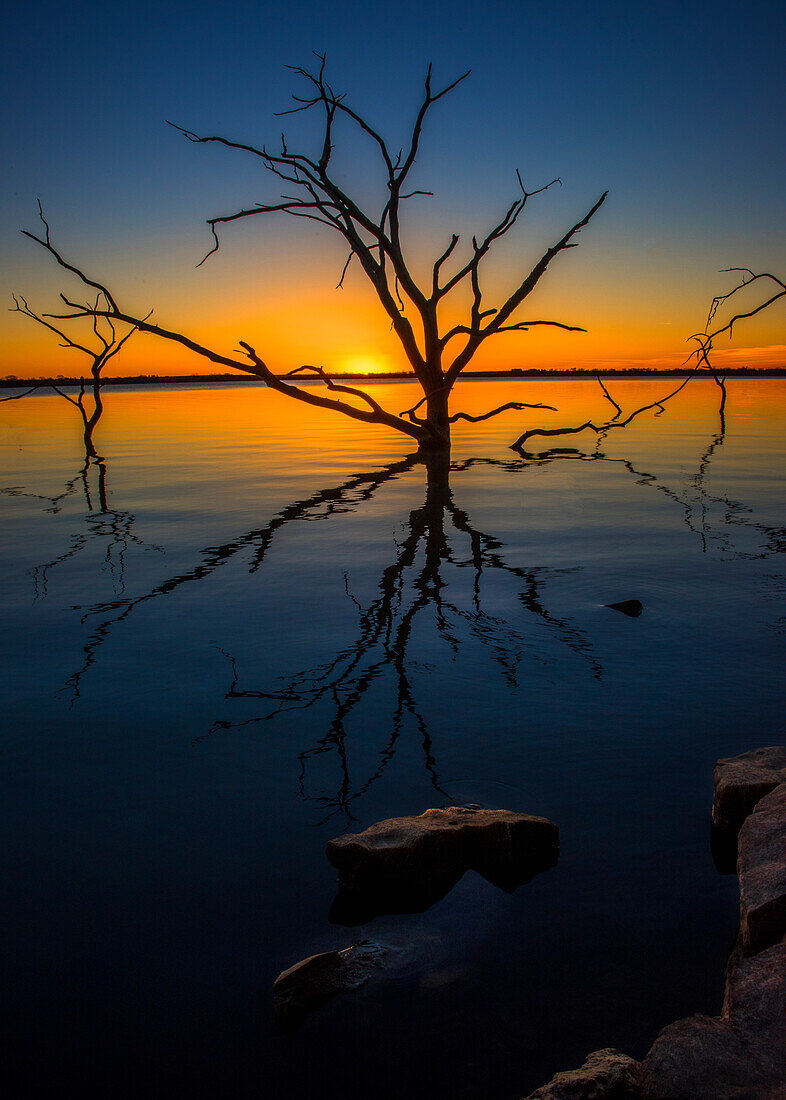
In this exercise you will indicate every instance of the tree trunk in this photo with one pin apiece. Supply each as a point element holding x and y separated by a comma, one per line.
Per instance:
<point>92,420</point>
<point>90,451</point>
<point>438,420</point>
<point>437,482</point>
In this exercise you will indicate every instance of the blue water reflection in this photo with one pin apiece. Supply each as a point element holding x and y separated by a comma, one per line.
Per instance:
<point>239,638</point>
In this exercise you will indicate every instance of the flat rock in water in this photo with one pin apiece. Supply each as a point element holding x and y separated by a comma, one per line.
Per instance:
<point>740,781</point>
<point>405,864</point>
<point>606,1075</point>
<point>308,984</point>
<point>761,867</point>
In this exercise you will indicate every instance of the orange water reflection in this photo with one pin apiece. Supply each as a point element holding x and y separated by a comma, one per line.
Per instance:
<point>255,419</point>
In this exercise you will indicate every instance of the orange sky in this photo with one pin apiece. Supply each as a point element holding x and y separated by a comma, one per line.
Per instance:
<point>669,109</point>
<point>346,330</point>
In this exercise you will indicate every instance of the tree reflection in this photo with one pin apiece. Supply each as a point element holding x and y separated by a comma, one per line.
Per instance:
<point>414,590</point>
<point>440,582</point>
<point>104,528</point>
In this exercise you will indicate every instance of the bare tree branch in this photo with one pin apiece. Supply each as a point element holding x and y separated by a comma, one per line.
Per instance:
<point>701,355</point>
<point>309,188</point>
<point>108,346</point>
<point>331,385</point>
<point>608,396</point>
<point>720,299</point>
<point>47,244</point>
<point>602,428</point>
<point>517,405</point>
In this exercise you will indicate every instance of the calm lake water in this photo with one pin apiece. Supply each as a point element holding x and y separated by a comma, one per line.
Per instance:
<point>261,626</point>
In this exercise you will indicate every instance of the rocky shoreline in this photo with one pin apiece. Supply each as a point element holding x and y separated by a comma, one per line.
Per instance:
<point>741,1054</point>
<point>406,864</point>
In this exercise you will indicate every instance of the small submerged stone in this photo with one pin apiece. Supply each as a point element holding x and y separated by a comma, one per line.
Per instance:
<point>405,864</point>
<point>311,982</point>
<point>631,608</point>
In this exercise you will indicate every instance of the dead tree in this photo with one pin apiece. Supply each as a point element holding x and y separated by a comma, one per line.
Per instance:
<point>105,345</point>
<point>699,361</point>
<point>436,353</point>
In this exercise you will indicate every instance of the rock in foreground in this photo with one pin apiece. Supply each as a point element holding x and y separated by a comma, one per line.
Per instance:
<point>405,864</point>
<point>740,781</point>
<point>606,1075</point>
<point>305,986</point>
<point>738,1056</point>
<point>762,871</point>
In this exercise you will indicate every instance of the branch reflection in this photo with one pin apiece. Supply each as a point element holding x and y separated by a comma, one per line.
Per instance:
<point>448,582</point>
<point>413,593</point>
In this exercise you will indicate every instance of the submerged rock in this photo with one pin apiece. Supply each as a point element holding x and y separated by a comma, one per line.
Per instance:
<point>405,864</point>
<point>308,984</point>
<point>762,872</point>
<point>740,781</point>
<point>606,1075</point>
<point>631,608</point>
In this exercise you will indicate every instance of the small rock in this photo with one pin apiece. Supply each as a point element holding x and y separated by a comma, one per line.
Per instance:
<point>631,608</point>
<point>762,872</point>
<point>305,986</point>
<point>740,781</point>
<point>405,864</point>
<point>606,1075</point>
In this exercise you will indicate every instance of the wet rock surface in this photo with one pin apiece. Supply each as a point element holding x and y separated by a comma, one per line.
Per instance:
<point>405,864</point>
<point>740,781</point>
<point>606,1075</point>
<point>755,1003</point>
<point>762,872</point>
<point>311,982</point>
<point>700,1058</point>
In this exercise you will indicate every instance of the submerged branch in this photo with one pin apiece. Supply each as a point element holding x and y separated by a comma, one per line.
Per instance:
<point>609,397</point>
<point>600,429</point>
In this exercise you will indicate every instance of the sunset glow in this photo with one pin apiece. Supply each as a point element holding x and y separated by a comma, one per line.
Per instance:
<point>392,483</point>
<point>694,183</point>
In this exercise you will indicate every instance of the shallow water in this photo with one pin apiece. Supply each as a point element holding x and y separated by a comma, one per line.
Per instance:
<point>258,626</point>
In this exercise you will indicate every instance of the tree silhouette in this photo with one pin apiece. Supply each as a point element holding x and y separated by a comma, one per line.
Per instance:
<point>436,352</point>
<point>101,345</point>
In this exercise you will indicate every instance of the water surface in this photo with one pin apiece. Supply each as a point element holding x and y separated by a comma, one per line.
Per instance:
<point>259,626</point>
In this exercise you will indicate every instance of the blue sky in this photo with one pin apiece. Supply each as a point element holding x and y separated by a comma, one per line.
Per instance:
<point>676,108</point>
